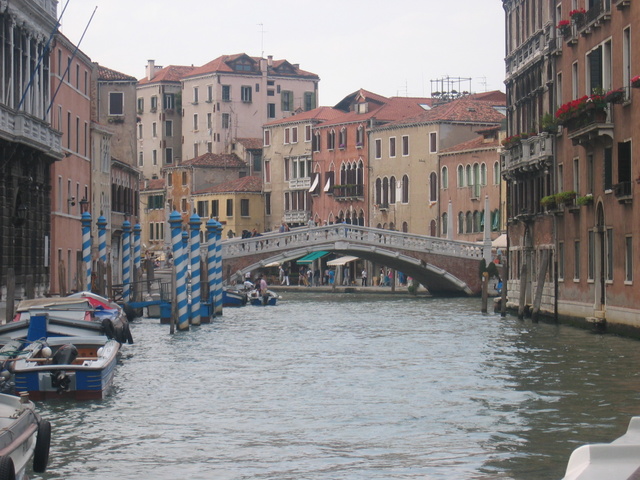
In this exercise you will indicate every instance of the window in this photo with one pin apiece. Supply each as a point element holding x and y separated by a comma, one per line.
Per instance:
<point>267,138</point>
<point>309,101</point>
<point>483,174</point>
<point>331,140</point>
<point>196,151</point>
<point>271,110</point>
<point>433,187</point>
<point>307,133</point>
<point>624,165</point>
<point>360,136</point>
<point>244,207</point>
<point>287,136</point>
<point>195,94</point>
<point>315,146</point>
<point>392,147</point>
<point>405,189</point>
<point>576,260</point>
<point>460,176</point>
<point>168,156</point>
<point>378,143</point>
<point>141,159</point>
<point>576,175</point>
<point>202,208</point>
<point>245,94</point>
<point>154,103</point>
<point>574,81</point>
<point>139,131</point>
<point>215,208</point>
<point>209,93</point>
<point>140,105</point>
<point>168,128</point>
<point>628,259</point>
<point>609,273</point>
<point>343,138</point>
<point>496,173</point>
<point>445,178</point>
<point>116,103</point>
<point>229,207</point>
<point>154,129</point>
<point>267,203</point>
<point>433,142</point>
<point>561,261</point>
<point>226,93</point>
<point>169,102</point>
<point>267,171</point>
<point>183,205</point>
<point>154,157</point>
<point>626,60</point>
<point>294,134</point>
<point>184,178</point>
<point>591,256</point>
<point>608,168</point>
<point>170,179</point>
<point>286,98</point>
<point>195,122</point>
<point>405,145</point>
<point>225,120</point>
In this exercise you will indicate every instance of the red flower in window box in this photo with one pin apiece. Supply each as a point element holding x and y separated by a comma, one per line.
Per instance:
<point>635,81</point>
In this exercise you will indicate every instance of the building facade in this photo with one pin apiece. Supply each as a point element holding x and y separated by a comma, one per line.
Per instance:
<point>29,145</point>
<point>234,95</point>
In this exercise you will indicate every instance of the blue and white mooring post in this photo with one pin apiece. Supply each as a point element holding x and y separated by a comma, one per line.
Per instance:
<point>175,221</point>
<point>102,239</point>
<point>212,232</point>
<point>86,248</point>
<point>218,271</point>
<point>137,230</point>
<point>194,226</point>
<point>126,261</point>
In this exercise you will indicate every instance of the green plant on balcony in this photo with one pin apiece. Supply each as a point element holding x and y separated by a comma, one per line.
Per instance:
<point>585,200</point>
<point>511,141</point>
<point>549,202</point>
<point>566,198</point>
<point>548,123</point>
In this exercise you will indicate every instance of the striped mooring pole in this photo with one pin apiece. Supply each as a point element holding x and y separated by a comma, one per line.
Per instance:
<point>102,238</point>
<point>212,228</point>
<point>126,261</point>
<point>194,226</point>
<point>137,230</point>
<point>175,221</point>
<point>86,248</point>
<point>218,271</point>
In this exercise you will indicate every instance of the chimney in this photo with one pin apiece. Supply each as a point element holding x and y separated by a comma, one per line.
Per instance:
<point>151,69</point>
<point>270,60</point>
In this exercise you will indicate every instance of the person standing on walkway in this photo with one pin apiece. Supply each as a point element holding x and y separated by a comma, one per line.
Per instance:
<point>364,277</point>
<point>286,275</point>
<point>281,275</point>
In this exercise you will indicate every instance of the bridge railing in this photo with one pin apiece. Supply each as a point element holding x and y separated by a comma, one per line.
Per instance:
<point>308,236</point>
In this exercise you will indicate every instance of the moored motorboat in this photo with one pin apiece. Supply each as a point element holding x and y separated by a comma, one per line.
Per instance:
<point>258,299</point>
<point>81,368</point>
<point>24,436</point>
<point>233,298</point>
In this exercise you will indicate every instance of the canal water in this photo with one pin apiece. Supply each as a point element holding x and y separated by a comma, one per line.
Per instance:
<point>350,386</point>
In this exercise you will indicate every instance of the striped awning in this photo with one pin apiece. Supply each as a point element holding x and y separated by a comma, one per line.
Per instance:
<point>311,257</point>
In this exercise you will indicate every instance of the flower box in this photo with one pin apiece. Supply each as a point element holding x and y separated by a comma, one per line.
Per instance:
<point>564,26</point>
<point>615,96</point>
<point>585,200</point>
<point>635,82</point>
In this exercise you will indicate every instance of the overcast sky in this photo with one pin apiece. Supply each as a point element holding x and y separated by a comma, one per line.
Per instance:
<point>387,47</point>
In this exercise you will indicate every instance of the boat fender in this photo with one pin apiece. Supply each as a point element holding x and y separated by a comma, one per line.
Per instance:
<point>43,442</point>
<point>7,469</point>
<point>46,351</point>
<point>65,355</point>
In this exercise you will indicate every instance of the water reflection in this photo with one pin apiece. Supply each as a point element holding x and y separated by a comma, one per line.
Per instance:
<point>330,386</point>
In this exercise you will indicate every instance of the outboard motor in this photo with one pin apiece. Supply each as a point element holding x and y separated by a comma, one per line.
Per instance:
<point>65,355</point>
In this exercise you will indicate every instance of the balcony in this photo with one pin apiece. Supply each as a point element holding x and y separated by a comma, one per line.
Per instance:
<point>529,52</point>
<point>589,126</point>
<point>348,192</point>
<point>622,191</point>
<point>532,152</point>
<point>300,183</point>
<point>296,216</point>
<point>23,128</point>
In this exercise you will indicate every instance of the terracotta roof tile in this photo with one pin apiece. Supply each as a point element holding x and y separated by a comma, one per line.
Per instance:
<point>250,184</point>
<point>251,143</point>
<point>106,74</point>
<point>221,65</point>
<point>476,144</point>
<point>172,73</point>
<point>215,160</point>
<point>153,184</point>
<point>320,114</point>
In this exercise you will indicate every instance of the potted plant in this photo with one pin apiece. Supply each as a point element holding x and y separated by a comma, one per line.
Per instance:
<point>564,26</point>
<point>585,200</point>
<point>615,96</point>
<point>577,16</point>
<point>548,123</point>
<point>549,202</point>
<point>567,197</point>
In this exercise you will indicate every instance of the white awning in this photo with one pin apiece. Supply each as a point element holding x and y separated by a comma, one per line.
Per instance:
<point>500,242</point>
<point>341,261</point>
<point>272,264</point>
<point>327,186</point>
<point>316,180</point>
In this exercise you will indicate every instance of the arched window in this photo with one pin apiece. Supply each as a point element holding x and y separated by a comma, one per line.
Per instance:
<point>469,176</point>
<point>477,221</point>
<point>385,191</point>
<point>483,174</point>
<point>445,178</point>
<point>469,225</point>
<point>433,187</point>
<point>392,226</point>
<point>460,222</point>
<point>392,190</point>
<point>432,228</point>
<point>405,189</point>
<point>496,173</point>
<point>360,179</point>
<point>460,176</point>
<point>445,225</point>
<point>405,227</point>
<point>361,218</point>
<point>378,199</point>
<point>476,180</point>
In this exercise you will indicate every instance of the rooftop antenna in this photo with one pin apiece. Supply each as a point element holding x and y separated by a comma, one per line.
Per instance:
<point>262,32</point>
<point>484,83</point>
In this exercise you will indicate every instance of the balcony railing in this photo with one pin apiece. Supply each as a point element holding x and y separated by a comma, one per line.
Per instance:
<point>622,191</point>
<point>300,183</point>
<point>23,128</point>
<point>534,150</point>
<point>348,192</point>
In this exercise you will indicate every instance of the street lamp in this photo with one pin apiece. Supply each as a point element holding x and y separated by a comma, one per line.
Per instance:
<point>84,205</point>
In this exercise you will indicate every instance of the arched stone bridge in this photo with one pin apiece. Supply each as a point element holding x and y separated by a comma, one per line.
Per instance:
<point>443,266</point>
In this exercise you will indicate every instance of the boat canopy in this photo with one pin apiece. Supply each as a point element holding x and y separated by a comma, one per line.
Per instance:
<point>307,259</point>
<point>338,262</point>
